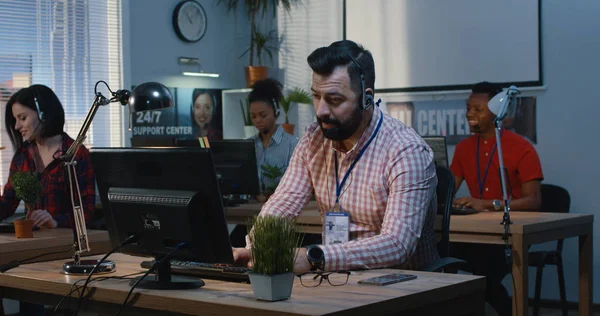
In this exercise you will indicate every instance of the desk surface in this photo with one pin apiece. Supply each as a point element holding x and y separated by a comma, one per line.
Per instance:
<point>225,298</point>
<point>46,241</point>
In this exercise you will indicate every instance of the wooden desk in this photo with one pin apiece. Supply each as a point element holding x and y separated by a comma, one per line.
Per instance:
<point>528,228</point>
<point>46,241</point>
<point>429,294</point>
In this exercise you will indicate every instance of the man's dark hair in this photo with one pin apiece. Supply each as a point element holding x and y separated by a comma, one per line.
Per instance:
<point>487,87</point>
<point>324,60</point>
<point>267,90</point>
<point>54,114</point>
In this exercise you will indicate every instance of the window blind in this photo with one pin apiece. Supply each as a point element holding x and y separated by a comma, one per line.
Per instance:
<point>67,45</point>
<point>313,24</point>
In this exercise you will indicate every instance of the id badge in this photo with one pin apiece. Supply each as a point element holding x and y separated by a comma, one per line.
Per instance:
<point>336,227</point>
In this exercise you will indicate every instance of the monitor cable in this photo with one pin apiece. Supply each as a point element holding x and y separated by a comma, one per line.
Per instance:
<point>126,241</point>
<point>156,263</point>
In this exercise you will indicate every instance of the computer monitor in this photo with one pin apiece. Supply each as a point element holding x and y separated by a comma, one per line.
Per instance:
<point>235,162</point>
<point>152,141</point>
<point>440,150</point>
<point>165,196</point>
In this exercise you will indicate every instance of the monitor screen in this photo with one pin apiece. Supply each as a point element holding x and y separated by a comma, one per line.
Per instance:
<point>166,196</point>
<point>440,150</point>
<point>235,162</point>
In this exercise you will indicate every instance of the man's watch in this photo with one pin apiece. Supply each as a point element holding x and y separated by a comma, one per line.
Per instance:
<point>497,205</point>
<point>315,257</point>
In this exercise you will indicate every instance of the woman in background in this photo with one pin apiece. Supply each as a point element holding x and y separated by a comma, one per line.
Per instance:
<point>34,120</point>
<point>273,145</point>
<point>203,114</point>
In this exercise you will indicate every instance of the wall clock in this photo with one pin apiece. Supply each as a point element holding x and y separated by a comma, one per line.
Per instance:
<point>189,21</point>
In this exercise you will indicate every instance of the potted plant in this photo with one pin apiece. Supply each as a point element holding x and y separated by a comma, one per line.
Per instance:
<point>273,252</point>
<point>28,189</point>
<point>249,129</point>
<point>253,8</point>
<point>273,173</point>
<point>296,95</point>
<point>263,44</point>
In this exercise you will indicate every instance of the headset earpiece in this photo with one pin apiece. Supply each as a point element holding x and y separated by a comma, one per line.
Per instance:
<point>368,100</point>
<point>276,108</point>
<point>37,105</point>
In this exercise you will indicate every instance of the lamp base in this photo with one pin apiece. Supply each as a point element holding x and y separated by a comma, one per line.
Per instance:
<point>86,266</point>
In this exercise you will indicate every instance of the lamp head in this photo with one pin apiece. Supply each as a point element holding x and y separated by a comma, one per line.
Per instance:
<point>502,104</point>
<point>150,96</point>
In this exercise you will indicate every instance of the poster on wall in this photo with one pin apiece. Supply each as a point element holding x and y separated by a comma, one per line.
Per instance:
<point>196,113</point>
<point>448,118</point>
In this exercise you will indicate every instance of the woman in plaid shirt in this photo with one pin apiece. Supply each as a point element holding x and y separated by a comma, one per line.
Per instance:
<point>35,119</point>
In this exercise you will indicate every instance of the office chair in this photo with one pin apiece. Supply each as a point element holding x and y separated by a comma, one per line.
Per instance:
<point>445,195</point>
<point>555,199</point>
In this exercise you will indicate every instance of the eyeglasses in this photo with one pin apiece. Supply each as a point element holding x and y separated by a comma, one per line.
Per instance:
<point>314,279</point>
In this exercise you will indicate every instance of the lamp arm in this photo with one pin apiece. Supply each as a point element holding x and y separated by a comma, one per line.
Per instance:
<point>81,243</point>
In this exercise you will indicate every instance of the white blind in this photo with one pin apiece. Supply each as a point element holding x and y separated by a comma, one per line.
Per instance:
<point>313,24</point>
<point>67,45</point>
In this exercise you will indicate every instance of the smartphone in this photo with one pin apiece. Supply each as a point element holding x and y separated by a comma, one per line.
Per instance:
<point>388,279</point>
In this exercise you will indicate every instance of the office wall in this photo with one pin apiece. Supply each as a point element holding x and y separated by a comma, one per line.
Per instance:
<point>151,48</point>
<point>567,114</point>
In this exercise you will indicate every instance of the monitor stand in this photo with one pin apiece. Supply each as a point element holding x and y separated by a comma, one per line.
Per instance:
<point>163,280</point>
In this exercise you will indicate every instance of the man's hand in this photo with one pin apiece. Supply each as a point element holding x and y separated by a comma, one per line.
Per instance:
<point>241,256</point>
<point>302,265</point>
<point>470,202</point>
<point>41,218</point>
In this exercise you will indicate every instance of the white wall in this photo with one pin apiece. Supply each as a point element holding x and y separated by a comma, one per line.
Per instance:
<point>567,116</point>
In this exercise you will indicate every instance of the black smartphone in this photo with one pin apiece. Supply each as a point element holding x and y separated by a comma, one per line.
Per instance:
<point>388,279</point>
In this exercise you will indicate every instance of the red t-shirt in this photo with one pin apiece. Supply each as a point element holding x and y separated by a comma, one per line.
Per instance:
<point>520,160</point>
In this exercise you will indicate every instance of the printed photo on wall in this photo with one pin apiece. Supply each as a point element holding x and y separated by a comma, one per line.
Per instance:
<point>448,118</point>
<point>161,123</point>
<point>201,110</point>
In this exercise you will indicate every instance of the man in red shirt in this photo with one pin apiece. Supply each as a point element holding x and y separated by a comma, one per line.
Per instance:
<point>476,162</point>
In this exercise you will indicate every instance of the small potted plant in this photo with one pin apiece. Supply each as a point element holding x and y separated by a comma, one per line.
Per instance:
<point>262,44</point>
<point>28,189</point>
<point>296,96</point>
<point>249,129</point>
<point>273,174</point>
<point>273,252</point>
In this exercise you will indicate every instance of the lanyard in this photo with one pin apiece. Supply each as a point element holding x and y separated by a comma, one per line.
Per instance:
<point>487,169</point>
<point>339,186</point>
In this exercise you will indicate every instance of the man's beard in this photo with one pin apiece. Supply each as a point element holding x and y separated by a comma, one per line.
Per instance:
<point>343,130</point>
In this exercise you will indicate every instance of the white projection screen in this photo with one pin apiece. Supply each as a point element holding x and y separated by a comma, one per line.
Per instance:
<point>427,45</point>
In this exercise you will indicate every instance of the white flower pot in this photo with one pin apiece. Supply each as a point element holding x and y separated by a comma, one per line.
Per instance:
<point>250,131</point>
<point>276,287</point>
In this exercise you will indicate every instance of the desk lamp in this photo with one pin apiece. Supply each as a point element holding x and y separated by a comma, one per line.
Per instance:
<point>502,105</point>
<point>145,97</point>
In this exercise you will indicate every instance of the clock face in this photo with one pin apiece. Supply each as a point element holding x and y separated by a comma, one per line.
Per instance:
<point>189,21</point>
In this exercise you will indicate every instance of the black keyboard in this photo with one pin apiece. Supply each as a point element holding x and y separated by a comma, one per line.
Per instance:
<point>206,270</point>
<point>464,211</point>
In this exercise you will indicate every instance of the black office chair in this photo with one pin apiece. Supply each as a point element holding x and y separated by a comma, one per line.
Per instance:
<point>445,194</point>
<point>555,199</point>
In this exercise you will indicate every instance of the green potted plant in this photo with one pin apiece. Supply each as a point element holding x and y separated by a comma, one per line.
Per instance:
<point>273,252</point>
<point>249,129</point>
<point>273,174</point>
<point>296,96</point>
<point>28,189</point>
<point>253,8</point>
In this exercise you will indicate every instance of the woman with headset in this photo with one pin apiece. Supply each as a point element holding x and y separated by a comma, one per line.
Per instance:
<point>273,145</point>
<point>34,120</point>
<point>203,113</point>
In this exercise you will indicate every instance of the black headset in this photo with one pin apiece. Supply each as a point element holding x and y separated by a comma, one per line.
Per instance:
<point>275,107</point>
<point>367,98</point>
<point>37,105</point>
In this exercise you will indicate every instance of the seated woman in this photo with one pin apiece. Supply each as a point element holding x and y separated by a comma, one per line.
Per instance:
<point>274,146</point>
<point>35,119</point>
